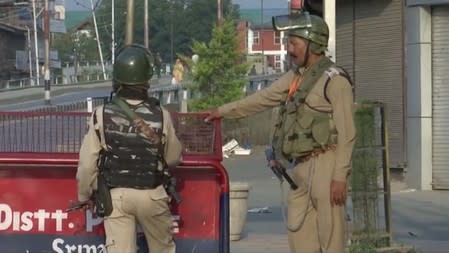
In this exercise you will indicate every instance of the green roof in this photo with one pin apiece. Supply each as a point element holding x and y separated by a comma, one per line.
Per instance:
<point>72,18</point>
<point>253,15</point>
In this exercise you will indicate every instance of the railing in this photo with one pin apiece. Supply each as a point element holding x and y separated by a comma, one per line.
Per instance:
<point>62,132</point>
<point>54,132</point>
<point>169,93</point>
<point>55,80</point>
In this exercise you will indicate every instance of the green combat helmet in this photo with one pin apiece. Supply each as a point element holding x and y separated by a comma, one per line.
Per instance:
<point>133,66</point>
<point>302,24</point>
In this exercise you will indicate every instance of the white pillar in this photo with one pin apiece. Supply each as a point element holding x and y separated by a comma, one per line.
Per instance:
<point>89,104</point>
<point>169,97</point>
<point>283,51</point>
<point>419,98</point>
<point>184,101</point>
<point>329,17</point>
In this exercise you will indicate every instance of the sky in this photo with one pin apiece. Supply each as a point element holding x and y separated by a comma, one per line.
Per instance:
<point>244,4</point>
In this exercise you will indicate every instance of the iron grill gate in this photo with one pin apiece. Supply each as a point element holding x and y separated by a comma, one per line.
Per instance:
<point>440,96</point>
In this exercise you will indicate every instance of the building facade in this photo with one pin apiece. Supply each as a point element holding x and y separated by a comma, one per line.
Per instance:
<point>262,44</point>
<point>397,52</point>
<point>428,93</point>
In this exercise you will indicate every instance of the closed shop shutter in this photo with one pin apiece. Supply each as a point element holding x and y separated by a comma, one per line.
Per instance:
<point>344,35</point>
<point>440,96</point>
<point>370,46</point>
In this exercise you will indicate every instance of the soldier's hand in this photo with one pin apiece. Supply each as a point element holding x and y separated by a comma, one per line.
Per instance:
<point>213,114</point>
<point>338,193</point>
<point>273,163</point>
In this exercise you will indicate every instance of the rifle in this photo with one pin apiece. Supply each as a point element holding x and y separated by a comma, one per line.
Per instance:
<point>278,169</point>
<point>170,187</point>
<point>77,205</point>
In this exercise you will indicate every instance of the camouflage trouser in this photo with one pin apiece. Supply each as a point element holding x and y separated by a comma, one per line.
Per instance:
<point>149,209</point>
<point>322,230</point>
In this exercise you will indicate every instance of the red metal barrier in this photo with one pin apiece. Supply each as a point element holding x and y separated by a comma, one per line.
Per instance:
<point>35,189</point>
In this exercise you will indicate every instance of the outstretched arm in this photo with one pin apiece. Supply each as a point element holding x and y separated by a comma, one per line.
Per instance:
<point>257,102</point>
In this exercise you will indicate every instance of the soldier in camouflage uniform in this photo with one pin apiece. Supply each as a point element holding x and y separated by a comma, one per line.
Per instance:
<point>315,131</point>
<point>133,165</point>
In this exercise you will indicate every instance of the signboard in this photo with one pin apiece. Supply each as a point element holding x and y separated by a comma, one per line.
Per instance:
<point>33,219</point>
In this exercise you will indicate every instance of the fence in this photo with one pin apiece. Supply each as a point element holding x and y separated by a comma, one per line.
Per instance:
<point>42,131</point>
<point>370,178</point>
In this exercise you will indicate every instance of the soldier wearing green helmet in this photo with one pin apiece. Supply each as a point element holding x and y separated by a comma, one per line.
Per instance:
<point>314,133</point>
<point>130,143</point>
<point>132,70</point>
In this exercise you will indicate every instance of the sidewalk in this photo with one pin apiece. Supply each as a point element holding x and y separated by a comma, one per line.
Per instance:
<point>420,218</point>
<point>261,243</point>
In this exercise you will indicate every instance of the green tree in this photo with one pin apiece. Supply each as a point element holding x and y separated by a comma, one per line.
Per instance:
<point>171,22</point>
<point>73,46</point>
<point>219,75</point>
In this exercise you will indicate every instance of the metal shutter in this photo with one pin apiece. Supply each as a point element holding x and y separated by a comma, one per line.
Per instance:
<point>344,35</point>
<point>377,59</point>
<point>440,96</point>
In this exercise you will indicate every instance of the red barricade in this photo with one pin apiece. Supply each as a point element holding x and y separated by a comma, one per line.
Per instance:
<point>36,187</point>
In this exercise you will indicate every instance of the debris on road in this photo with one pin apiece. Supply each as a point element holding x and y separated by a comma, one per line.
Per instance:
<point>265,209</point>
<point>233,147</point>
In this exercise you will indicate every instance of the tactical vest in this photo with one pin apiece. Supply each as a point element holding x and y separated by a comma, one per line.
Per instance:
<point>131,160</point>
<point>300,131</point>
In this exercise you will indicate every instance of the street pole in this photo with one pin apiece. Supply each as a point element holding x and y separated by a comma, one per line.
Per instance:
<point>329,17</point>
<point>30,65</point>
<point>171,32</point>
<point>261,36</point>
<point>47,54</point>
<point>36,53</point>
<point>129,22</point>
<point>113,32</point>
<point>145,21</point>
<point>219,13</point>
<point>98,39</point>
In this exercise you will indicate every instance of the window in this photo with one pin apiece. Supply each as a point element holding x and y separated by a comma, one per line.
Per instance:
<point>277,37</point>
<point>256,38</point>
<point>277,62</point>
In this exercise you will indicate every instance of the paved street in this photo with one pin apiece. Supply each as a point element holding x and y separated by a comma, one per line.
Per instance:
<point>419,218</point>
<point>27,98</point>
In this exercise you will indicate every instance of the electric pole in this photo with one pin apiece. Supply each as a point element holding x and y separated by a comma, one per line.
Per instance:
<point>98,39</point>
<point>129,22</point>
<point>261,36</point>
<point>30,65</point>
<point>145,31</point>
<point>113,32</point>
<point>219,13</point>
<point>36,54</point>
<point>47,54</point>
<point>171,32</point>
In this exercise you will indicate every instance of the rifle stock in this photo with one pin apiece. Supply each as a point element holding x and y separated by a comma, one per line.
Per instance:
<point>76,206</point>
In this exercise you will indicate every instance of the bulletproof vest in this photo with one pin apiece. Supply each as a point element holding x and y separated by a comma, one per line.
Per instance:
<point>131,160</point>
<point>300,131</point>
